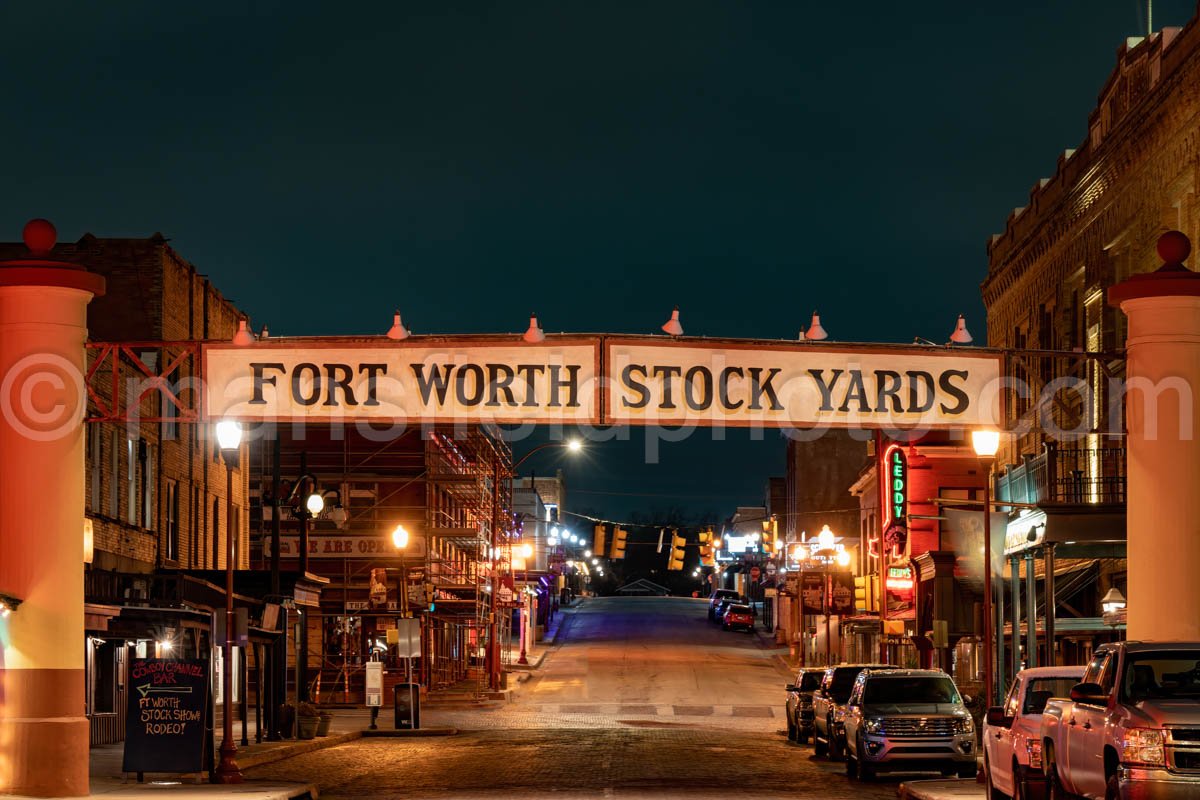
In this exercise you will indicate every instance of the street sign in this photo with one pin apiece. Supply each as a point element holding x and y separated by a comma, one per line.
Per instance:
<point>168,701</point>
<point>410,637</point>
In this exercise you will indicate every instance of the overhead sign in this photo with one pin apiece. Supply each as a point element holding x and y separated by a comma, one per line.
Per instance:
<point>788,385</point>
<point>168,702</point>
<point>463,381</point>
<point>323,545</point>
<point>603,380</point>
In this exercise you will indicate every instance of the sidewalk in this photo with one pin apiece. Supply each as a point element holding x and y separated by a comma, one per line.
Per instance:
<point>944,789</point>
<point>108,780</point>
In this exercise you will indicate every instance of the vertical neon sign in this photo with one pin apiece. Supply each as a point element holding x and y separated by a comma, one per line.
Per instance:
<point>896,494</point>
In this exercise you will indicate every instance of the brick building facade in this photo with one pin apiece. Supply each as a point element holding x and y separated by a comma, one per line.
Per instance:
<point>1090,225</point>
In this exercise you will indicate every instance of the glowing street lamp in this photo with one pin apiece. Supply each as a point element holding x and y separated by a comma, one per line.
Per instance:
<point>229,438</point>
<point>400,537</point>
<point>986,442</point>
<point>1113,601</point>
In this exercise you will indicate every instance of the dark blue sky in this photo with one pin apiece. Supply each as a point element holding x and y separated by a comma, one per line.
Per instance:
<point>597,163</point>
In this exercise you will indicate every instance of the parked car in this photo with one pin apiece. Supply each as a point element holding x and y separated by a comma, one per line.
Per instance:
<point>738,616</point>
<point>1012,740</point>
<point>715,600</point>
<point>723,605</point>
<point>908,719</point>
<point>829,707</point>
<point>798,709</point>
<point>1131,728</point>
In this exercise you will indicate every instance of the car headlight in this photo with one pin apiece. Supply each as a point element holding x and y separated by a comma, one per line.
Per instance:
<point>873,725</point>
<point>1144,746</point>
<point>1034,748</point>
<point>839,714</point>
<point>964,725</point>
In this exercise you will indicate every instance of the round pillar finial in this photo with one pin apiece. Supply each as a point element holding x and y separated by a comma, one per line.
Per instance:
<point>1173,247</point>
<point>39,236</point>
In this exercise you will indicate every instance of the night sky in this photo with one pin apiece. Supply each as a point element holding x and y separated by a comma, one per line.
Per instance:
<point>597,163</point>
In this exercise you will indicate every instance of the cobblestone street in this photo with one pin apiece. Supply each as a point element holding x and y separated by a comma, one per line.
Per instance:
<point>641,697</point>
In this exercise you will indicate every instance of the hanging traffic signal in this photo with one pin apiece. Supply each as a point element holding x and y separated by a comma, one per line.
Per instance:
<point>598,540</point>
<point>675,561</point>
<point>865,598</point>
<point>706,547</point>
<point>618,542</point>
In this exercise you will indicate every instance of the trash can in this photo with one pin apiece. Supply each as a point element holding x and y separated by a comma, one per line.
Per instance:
<point>408,705</point>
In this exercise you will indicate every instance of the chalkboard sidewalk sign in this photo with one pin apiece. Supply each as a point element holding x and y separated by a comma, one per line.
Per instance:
<point>168,706</point>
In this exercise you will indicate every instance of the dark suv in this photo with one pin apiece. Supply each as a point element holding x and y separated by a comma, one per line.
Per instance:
<point>829,707</point>
<point>799,706</point>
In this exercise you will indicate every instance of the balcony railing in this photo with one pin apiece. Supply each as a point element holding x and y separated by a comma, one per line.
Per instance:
<point>1066,475</point>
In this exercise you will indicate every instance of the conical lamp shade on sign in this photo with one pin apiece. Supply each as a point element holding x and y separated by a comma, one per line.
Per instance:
<point>534,334</point>
<point>961,335</point>
<point>815,332</point>
<point>243,335</point>
<point>397,331</point>
<point>672,325</point>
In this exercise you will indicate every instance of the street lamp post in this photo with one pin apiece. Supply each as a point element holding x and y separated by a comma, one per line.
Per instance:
<point>526,554</point>
<point>986,443</point>
<point>229,438</point>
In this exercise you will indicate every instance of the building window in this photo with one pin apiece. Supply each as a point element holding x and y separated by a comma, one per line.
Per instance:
<point>170,413</point>
<point>114,475</point>
<point>172,526</point>
<point>216,533</point>
<point>195,530</point>
<point>131,500</point>
<point>149,479</point>
<point>95,461</point>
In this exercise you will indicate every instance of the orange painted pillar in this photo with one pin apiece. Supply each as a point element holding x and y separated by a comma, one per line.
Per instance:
<point>1162,417</point>
<point>43,328</point>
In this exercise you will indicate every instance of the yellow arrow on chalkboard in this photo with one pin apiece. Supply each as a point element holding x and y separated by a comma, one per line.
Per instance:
<point>146,689</point>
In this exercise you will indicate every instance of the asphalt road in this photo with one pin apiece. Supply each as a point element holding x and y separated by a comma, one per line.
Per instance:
<point>641,698</point>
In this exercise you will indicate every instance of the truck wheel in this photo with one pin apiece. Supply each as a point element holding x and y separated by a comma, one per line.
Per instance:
<point>820,746</point>
<point>1112,789</point>
<point>851,767</point>
<point>968,771</point>
<point>801,736</point>
<point>791,730</point>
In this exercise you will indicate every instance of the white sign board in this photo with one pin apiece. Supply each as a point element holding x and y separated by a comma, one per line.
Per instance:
<point>799,385</point>
<point>374,683</point>
<point>410,638</point>
<point>604,380</point>
<point>463,381</point>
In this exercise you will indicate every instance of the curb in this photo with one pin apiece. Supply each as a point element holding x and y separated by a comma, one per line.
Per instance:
<point>943,789</point>
<point>300,748</point>
<point>402,733</point>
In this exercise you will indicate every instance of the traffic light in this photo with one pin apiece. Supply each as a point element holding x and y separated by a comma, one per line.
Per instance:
<point>430,597</point>
<point>618,542</point>
<point>675,560</point>
<point>865,598</point>
<point>598,540</point>
<point>706,547</point>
